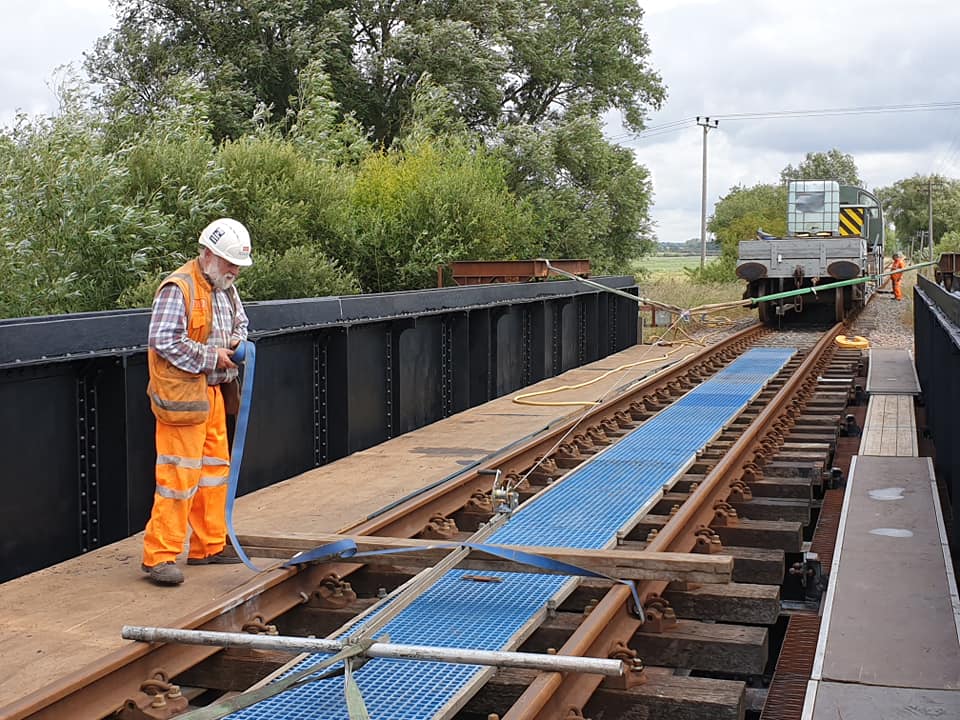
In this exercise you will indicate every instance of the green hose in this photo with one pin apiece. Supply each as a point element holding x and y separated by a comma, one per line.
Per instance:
<point>838,284</point>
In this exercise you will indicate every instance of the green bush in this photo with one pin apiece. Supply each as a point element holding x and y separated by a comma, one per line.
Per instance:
<point>414,209</point>
<point>285,199</point>
<point>70,241</point>
<point>297,272</point>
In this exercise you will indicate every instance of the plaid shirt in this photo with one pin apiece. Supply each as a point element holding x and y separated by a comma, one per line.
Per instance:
<point>168,332</point>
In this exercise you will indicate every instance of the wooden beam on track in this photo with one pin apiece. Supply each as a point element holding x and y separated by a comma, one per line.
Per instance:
<point>617,562</point>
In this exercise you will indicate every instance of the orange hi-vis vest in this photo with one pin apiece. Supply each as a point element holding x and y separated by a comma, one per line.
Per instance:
<point>898,264</point>
<point>178,397</point>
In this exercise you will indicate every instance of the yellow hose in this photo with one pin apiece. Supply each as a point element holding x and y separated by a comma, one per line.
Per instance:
<point>852,343</point>
<point>523,399</point>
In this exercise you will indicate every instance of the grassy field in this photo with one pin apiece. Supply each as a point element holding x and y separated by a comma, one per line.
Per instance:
<point>662,278</point>
<point>668,265</point>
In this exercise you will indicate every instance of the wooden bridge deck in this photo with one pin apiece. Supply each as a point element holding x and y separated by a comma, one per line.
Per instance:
<point>57,621</point>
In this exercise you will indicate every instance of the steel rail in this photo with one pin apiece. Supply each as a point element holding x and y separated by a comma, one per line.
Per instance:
<point>553,695</point>
<point>409,518</point>
<point>100,688</point>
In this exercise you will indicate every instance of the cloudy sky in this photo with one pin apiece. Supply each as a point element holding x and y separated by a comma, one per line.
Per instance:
<point>718,58</point>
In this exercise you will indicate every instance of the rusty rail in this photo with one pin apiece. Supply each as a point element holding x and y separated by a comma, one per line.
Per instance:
<point>407,519</point>
<point>553,695</point>
<point>100,688</point>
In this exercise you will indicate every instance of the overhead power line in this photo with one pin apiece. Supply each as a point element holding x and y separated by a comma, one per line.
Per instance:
<point>681,124</point>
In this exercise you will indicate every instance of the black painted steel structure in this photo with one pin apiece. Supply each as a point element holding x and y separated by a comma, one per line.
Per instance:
<point>334,375</point>
<point>937,327</point>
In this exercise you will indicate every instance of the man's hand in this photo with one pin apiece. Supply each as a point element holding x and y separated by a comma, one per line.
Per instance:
<point>224,359</point>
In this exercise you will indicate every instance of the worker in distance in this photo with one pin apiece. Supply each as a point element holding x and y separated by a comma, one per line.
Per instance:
<point>196,323</point>
<point>897,278</point>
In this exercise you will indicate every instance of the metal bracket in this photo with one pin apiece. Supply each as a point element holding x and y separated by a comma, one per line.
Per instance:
<point>850,427</point>
<point>634,668</point>
<point>658,615</point>
<point>707,541</point>
<point>439,527</point>
<point>812,578</point>
<point>157,699</point>
<point>505,499</point>
<point>332,593</point>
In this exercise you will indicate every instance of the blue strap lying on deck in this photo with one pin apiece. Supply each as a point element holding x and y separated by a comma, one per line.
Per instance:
<point>347,549</point>
<point>585,510</point>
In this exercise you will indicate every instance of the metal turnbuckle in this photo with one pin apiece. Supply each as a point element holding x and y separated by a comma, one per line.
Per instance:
<point>504,498</point>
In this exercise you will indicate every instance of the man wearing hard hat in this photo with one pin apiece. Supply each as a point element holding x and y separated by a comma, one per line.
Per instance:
<point>897,278</point>
<point>196,323</point>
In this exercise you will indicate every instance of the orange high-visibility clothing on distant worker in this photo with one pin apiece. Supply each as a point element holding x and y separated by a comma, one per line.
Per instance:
<point>897,278</point>
<point>193,459</point>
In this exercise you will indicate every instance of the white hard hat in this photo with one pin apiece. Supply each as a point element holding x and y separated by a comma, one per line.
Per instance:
<point>229,239</point>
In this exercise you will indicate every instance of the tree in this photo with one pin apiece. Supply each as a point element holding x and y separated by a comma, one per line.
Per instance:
<point>514,61</point>
<point>82,223</point>
<point>742,211</point>
<point>831,165</point>
<point>415,207</point>
<point>246,54</point>
<point>591,198</point>
<point>906,205</point>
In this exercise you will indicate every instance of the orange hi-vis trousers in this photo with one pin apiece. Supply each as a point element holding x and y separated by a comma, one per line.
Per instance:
<point>193,467</point>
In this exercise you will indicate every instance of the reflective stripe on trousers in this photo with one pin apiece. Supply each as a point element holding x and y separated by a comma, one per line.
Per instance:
<point>191,487</point>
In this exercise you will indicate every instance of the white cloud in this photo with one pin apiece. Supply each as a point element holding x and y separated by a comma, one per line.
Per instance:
<point>721,58</point>
<point>716,57</point>
<point>35,38</point>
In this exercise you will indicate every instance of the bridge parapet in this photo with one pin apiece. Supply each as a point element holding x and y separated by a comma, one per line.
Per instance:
<point>335,375</point>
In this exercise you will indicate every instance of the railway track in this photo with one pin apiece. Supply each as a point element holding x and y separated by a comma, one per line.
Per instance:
<point>750,493</point>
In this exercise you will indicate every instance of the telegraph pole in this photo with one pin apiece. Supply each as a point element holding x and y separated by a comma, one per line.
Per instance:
<point>706,123</point>
<point>930,215</point>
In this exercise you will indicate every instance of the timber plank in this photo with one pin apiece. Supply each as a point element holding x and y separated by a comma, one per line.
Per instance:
<point>784,468</point>
<point>618,562</point>
<point>759,566</point>
<point>777,534</point>
<point>780,534</point>
<point>712,647</point>
<point>764,566</point>
<point>783,487</point>
<point>676,697</point>
<point>86,600</point>
<point>890,427</point>
<point>234,669</point>
<point>767,508</point>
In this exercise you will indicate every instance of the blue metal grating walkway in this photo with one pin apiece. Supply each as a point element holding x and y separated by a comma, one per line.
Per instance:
<point>585,510</point>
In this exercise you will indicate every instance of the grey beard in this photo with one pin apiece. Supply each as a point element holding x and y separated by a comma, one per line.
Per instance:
<point>222,283</point>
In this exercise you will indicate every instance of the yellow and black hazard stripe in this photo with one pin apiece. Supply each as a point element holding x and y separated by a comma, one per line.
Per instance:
<point>851,221</point>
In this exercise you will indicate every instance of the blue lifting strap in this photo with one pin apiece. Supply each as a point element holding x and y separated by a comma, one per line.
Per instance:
<point>347,549</point>
<point>245,353</point>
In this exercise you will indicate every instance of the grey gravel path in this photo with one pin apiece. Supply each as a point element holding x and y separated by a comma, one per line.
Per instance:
<point>887,323</point>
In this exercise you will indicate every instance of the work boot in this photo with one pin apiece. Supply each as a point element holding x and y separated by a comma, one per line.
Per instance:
<point>166,573</point>
<point>216,559</point>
